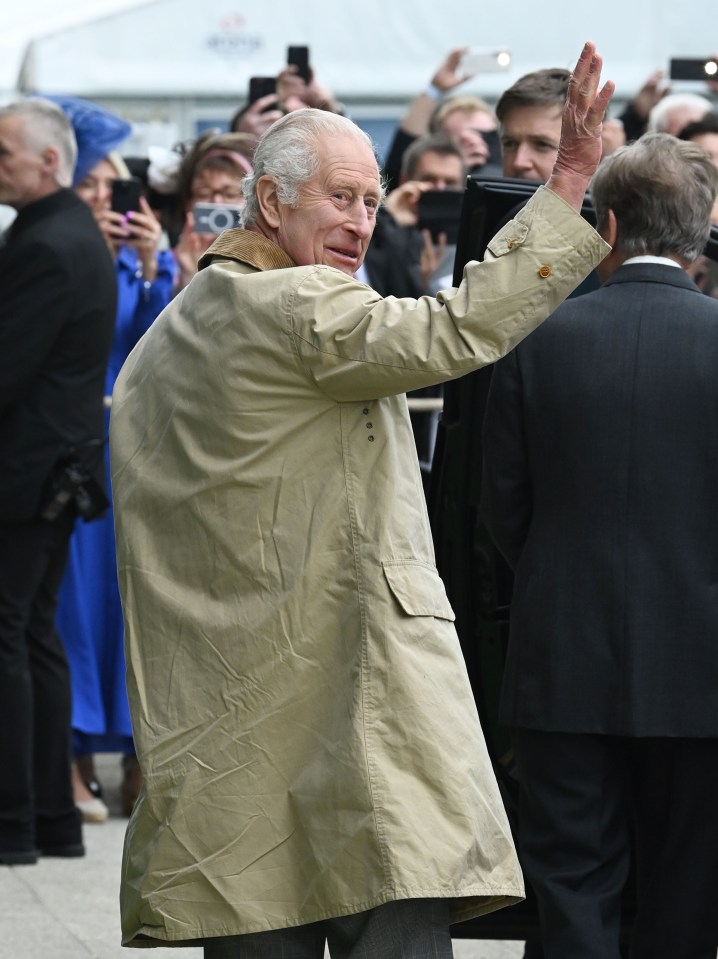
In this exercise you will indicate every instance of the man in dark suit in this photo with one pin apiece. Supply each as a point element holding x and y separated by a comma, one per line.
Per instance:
<point>601,470</point>
<point>57,309</point>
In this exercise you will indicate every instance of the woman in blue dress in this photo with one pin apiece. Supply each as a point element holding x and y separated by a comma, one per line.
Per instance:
<point>89,616</point>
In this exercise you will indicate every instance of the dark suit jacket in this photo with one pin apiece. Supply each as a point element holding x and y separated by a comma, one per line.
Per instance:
<point>393,259</point>
<point>58,297</point>
<point>600,486</point>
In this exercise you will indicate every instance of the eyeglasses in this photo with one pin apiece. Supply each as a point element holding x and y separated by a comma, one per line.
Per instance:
<point>227,195</point>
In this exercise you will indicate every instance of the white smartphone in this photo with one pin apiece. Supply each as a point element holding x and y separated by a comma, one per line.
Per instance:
<point>478,60</point>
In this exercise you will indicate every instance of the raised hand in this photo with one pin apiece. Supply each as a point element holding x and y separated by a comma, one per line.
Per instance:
<point>447,75</point>
<point>580,146</point>
<point>144,232</point>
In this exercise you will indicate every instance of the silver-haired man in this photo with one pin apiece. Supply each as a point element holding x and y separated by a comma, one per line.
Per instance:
<point>314,765</point>
<point>57,314</point>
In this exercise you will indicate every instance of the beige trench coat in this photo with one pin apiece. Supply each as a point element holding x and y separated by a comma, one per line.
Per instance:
<point>302,713</point>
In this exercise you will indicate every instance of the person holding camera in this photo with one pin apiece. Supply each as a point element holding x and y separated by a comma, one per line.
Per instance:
<point>57,314</point>
<point>209,194</point>
<point>89,617</point>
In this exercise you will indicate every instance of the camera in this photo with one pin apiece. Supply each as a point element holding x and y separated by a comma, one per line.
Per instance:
<point>71,482</point>
<point>215,217</point>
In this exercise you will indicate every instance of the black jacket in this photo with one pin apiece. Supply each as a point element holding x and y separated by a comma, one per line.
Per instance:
<point>58,298</point>
<point>601,472</point>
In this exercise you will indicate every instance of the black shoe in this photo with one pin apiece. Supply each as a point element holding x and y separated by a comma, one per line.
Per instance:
<point>16,857</point>
<point>70,850</point>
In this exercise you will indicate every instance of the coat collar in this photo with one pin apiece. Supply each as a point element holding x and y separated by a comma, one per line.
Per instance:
<point>57,202</point>
<point>651,273</point>
<point>248,247</point>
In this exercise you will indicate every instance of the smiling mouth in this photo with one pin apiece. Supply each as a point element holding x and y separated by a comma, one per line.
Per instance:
<point>346,254</point>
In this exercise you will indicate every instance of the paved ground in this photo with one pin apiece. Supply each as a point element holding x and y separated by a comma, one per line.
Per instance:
<point>67,909</point>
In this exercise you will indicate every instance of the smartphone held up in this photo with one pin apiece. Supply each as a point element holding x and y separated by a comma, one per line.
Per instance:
<point>693,68</point>
<point>126,195</point>
<point>439,212</point>
<point>298,57</point>
<point>478,60</point>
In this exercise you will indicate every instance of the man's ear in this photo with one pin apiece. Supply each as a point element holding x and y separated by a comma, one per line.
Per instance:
<point>268,201</point>
<point>609,232</point>
<point>610,228</point>
<point>50,157</point>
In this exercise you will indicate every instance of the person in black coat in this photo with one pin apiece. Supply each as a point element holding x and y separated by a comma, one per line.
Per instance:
<point>57,310</point>
<point>601,470</point>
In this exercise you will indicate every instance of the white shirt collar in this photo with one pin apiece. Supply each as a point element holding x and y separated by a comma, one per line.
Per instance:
<point>647,258</point>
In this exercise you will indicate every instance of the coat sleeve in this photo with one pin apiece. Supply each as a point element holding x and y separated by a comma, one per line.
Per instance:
<point>356,345</point>
<point>506,494</point>
<point>33,305</point>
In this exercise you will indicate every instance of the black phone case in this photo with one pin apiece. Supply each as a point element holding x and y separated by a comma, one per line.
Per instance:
<point>126,195</point>
<point>299,57</point>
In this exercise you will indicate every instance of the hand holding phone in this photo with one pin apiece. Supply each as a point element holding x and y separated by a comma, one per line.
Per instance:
<point>299,57</point>
<point>261,87</point>
<point>126,195</point>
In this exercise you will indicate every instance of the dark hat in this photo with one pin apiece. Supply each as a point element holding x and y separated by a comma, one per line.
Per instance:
<point>97,131</point>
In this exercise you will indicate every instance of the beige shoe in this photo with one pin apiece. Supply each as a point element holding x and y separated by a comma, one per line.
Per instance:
<point>93,810</point>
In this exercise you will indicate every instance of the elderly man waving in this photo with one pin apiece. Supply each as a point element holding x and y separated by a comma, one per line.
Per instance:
<point>314,765</point>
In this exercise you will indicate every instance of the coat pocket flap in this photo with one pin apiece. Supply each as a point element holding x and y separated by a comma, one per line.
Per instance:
<point>511,237</point>
<point>418,589</point>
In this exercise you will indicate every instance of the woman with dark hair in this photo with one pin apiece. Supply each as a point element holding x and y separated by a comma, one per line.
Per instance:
<point>210,172</point>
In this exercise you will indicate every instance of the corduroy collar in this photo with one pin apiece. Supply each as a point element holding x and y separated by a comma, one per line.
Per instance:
<point>248,247</point>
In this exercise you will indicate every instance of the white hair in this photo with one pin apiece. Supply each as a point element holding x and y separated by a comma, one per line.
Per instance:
<point>45,125</point>
<point>693,104</point>
<point>288,153</point>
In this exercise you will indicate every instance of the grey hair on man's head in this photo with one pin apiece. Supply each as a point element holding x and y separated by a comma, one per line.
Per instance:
<point>288,152</point>
<point>661,190</point>
<point>46,125</point>
<point>662,113</point>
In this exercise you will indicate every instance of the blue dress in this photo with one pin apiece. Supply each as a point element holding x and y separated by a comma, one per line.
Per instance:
<point>89,614</point>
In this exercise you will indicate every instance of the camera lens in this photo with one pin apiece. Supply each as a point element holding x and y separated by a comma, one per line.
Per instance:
<point>219,220</point>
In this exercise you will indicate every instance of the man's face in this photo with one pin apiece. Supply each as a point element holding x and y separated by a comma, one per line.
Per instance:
<point>466,129</point>
<point>529,141</point>
<point>335,215</point>
<point>442,171</point>
<point>709,143</point>
<point>23,169</point>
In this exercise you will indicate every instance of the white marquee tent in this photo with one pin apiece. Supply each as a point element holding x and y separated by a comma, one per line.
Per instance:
<point>377,50</point>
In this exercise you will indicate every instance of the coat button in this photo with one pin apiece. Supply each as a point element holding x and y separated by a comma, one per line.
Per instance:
<point>365,411</point>
<point>369,426</point>
<point>371,439</point>
<point>544,271</point>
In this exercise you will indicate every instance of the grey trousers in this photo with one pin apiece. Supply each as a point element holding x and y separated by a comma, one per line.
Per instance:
<point>406,929</point>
